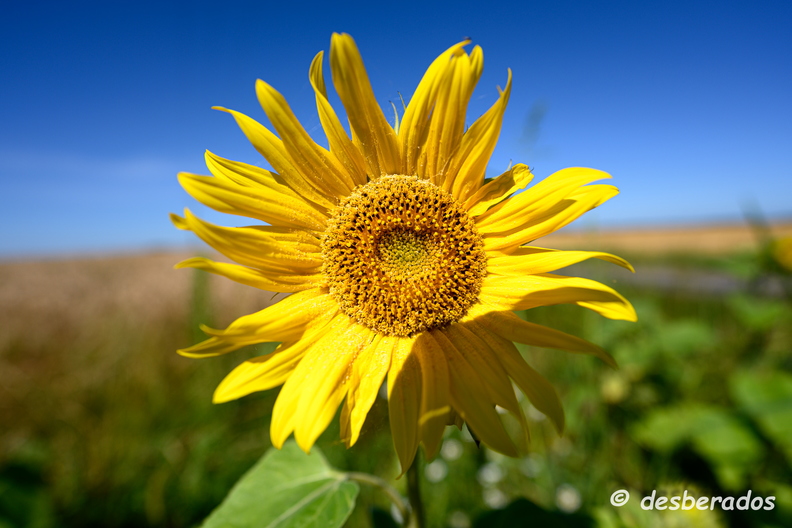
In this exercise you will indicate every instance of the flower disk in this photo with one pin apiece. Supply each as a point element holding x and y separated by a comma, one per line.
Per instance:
<point>401,256</point>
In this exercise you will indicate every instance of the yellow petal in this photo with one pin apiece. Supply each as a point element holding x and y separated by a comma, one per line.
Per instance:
<point>286,320</point>
<point>447,122</point>
<point>404,401</point>
<point>371,132</point>
<point>612,309</point>
<point>498,189</point>
<point>570,208</point>
<point>324,371</point>
<point>465,174</point>
<point>512,328</point>
<point>455,419</point>
<point>531,260</point>
<point>365,379</point>
<point>285,283</point>
<point>248,175</point>
<point>507,292</point>
<point>273,207</point>
<point>541,392</point>
<point>339,142</point>
<point>268,248</point>
<point>318,166</point>
<point>284,414</point>
<point>471,345</point>
<point>274,151</point>
<point>482,351</point>
<point>344,423</point>
<point>416,119</point>
<point>261,373</point>
<point>214,346</point>
<point>537,200</point>
<point>435,400</point>
<point>470,397</point>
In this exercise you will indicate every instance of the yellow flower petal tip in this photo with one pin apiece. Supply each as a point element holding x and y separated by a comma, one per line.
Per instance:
<point>179,222</point>
<point>404,264</point>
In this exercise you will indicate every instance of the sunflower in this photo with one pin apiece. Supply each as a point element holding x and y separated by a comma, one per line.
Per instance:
<point>403,262</point>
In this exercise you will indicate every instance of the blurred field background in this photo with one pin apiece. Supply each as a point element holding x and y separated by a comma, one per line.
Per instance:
<point>104,425</point>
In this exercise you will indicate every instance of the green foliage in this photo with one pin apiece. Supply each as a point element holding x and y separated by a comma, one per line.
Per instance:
<point>756,313</point>
<point>721,438</point>
<point>287,489</point>
<point>767,398</point>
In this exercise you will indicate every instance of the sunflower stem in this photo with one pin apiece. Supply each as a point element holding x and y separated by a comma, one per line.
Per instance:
<point>417,519</point>
<point>393,495</point>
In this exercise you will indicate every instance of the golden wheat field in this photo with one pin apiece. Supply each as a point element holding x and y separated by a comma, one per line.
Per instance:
<point>715,239</point>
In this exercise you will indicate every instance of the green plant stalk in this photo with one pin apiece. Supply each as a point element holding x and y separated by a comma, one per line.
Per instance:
<point>393,495</point>
<point>417,519</point>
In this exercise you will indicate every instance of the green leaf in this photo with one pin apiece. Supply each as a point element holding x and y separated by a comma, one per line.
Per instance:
<point>714,433</point>
<point>767,398</point>
<point>287,489</point>
<point>685,337</point>
<point>665,429</point>
<point>722,437</point>
<point>755,312</point>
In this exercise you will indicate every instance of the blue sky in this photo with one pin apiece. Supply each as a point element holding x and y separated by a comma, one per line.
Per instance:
<point>686,104</point>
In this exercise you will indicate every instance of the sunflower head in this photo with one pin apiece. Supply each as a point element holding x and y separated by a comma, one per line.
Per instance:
<point>403,263</point>
<point>400,256</point>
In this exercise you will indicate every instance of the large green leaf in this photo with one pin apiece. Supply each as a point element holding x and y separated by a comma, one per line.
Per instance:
<point>287,489</point>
